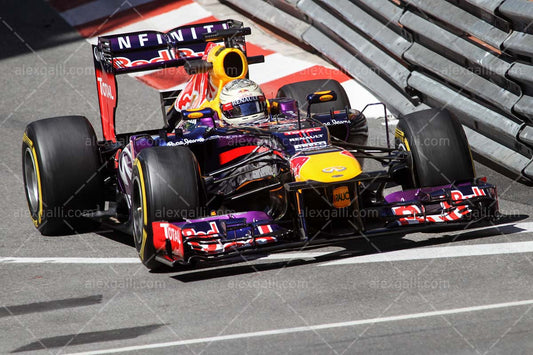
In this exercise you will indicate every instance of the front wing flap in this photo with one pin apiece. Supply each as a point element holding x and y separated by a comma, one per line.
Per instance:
<point>443,205</point>
<point>228,235</point>
<point>217,235</point>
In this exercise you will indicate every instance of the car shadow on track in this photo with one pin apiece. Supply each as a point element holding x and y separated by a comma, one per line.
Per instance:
<point>83,338</point>
<point>31,26</point>
<point>352,248</point>
<point>116,236</point>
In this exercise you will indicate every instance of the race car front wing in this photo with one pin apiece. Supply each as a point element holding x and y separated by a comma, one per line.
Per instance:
<point>243,233</point>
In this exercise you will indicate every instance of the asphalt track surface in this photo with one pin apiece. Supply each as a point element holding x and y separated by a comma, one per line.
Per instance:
<point>452,292</point>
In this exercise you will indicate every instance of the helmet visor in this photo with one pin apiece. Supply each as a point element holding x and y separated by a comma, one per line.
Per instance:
<point>238,108</point>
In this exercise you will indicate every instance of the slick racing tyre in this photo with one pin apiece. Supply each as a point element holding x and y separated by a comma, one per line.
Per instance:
<point>301,89</point>
<point>167,186</point>
<point>61,164</point>
<point>439,149</point>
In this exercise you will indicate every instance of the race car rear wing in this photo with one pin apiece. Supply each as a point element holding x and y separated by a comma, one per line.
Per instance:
<point>151,50</point>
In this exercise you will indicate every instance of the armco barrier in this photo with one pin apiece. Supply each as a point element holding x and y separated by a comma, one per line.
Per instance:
<point>473,57</point>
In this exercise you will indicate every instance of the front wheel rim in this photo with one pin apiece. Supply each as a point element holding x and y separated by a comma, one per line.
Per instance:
<point>32,181</point>
<point>137,211</point>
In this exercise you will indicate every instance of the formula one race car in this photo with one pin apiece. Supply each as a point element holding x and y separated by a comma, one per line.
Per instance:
<point>198,188</point>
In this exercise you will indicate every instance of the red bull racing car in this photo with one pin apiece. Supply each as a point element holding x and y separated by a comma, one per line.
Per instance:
<point>201,188</point>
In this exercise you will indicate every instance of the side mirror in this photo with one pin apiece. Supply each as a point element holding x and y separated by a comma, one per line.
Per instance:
<point>206,116</point>
<point>198,113</point>
<point>319,97</point>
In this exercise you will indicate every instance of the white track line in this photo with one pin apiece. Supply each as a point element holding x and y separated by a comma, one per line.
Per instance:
<point>438,253</point>
<point>284,331</point>
<point>86,260</point>
<point>406,254</point>
<point>298,255</point>
<point>63,260</point>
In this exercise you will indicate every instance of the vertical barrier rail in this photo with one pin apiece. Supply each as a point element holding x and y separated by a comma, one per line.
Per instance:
<point>472,57</point>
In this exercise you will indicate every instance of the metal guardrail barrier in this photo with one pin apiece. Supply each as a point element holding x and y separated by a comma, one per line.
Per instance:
<point>473,57</point>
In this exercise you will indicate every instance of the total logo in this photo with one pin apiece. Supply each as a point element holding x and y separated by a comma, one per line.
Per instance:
<point>105,89</point>
<point>172,233</point>
<point>306,131</point>
<point>164,232</point>
<point>175,234</point>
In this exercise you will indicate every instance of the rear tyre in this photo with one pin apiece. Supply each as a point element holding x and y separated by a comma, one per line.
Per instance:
<point>167,186</point>
<point>439,148</point>
<point>61,164</point>
<point>301,89</point>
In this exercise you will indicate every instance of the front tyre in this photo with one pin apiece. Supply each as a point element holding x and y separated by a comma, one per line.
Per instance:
<point>167,186</point>
<point>439,149</point>
<point>61,169</point>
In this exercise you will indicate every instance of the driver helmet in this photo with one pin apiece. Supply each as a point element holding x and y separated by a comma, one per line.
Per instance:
<point>242,102</point>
